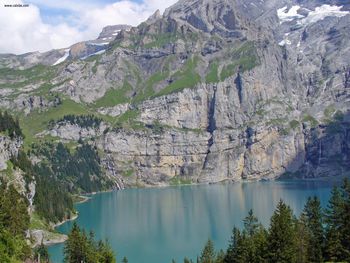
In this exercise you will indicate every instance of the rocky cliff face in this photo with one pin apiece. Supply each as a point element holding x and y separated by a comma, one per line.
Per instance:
<point>212,91</point>
<point>8,149</point>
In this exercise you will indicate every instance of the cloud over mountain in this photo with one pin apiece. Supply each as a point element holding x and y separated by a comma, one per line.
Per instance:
<point>23,29</point>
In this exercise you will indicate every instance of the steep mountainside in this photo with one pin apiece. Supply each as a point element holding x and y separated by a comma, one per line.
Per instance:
<point>211,90</point>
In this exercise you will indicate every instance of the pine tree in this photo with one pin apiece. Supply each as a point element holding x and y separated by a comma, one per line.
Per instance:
<point>314,223</point>
<point>74,247</point>
<point>125,260</point>
<point>42,253</point>
<point>220,257</point>
<point>254,239</point>
<point>14,221</point>
<point>82,248</point>
<point>302,236</point>
<point>208,253</point>
<point>230,252</point>
<point>261,245</point>
<point>251,224</point>
<point>239,249</point>
<point>334,249</point>
<point>282,245</point>
<point>345,219</point>
<point>106,253</point>
<point>13,211</point>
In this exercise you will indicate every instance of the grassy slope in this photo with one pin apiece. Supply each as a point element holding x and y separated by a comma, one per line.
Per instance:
<point>212,76</point>
<point>37,122</point>
<point>114,97</point>
<point>243,58</point>
<point>185,78</point>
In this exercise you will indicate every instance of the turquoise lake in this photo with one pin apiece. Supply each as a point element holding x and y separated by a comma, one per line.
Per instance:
<point>158,225</point>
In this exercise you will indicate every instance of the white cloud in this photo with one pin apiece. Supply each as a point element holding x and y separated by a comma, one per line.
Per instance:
<point>23,29</point>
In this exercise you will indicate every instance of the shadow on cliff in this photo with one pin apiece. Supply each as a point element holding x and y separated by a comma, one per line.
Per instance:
<point>327,148</point>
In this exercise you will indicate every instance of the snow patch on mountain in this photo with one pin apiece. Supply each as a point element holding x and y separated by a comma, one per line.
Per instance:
<point>318,14</point>
<point>62,59</point>
<point>285,42</point>
<point>116,32</point>
<point>99,44</point>
<point>286,15</point>
<point>322,12</point>
<point>94,54</point>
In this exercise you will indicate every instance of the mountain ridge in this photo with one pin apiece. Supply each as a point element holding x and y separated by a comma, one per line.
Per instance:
<point>209,91</point>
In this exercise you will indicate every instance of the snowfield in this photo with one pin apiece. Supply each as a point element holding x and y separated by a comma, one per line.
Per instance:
<point>286,15</point>
<point>322,12</point>
<point>318,14</point>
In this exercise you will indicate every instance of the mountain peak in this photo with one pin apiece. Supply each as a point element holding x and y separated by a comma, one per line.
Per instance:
<point>210,16</point>
<point>157,15</point>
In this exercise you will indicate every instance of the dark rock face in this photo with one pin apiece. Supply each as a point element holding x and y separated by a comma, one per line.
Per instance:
<point>197,22</point>
<point>327,151</point>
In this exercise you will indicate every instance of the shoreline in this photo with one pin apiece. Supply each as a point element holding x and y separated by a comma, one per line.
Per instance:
<point>87,198</point>
<point>74,217</point>
<point>50,237</point>
<point>338,178</point>
<point>60,238</point>
<point>84,199</point>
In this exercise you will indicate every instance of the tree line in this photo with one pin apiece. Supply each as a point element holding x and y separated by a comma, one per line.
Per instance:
<point>317,235</point>
<point>84,121</point>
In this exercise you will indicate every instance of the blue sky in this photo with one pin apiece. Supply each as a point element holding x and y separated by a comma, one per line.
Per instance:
<point>52,14</point>
<point>57,24</point>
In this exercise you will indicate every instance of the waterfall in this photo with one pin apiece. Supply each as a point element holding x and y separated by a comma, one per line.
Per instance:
<point>320,152</point>
<point>110,167</point>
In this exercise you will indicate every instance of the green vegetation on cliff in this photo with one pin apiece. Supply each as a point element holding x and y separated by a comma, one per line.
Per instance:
<point>79,171</point>
<point>14,221</point>
<point>114,96</point>
<point>212,76</point>
<point>36,122</point>
<point>243,58</point>
<point>84,121</point>
<point>16,78</point>
<point>187,77</point>
<point>9,125</point>
<point>60,171</point>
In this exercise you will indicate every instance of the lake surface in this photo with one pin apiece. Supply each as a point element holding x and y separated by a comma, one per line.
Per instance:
<point>158,225</point>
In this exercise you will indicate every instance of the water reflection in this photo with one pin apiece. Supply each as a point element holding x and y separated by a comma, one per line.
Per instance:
<point>161,224</point>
